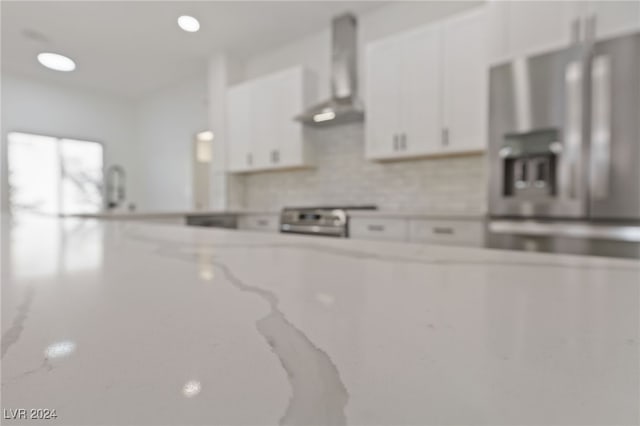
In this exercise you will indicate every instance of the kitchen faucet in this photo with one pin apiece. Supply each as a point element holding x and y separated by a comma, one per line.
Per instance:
<point>116,180</point>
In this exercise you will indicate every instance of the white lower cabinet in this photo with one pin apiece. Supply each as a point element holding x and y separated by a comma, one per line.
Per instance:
<point>459,232</point>
<point>378,229</point>
<point>448,232</point>
<point>259,222</point>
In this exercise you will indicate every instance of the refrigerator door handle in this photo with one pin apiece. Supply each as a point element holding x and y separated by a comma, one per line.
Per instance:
<point>600,127</point>
<point>575,31</point>
<point>573,132</point>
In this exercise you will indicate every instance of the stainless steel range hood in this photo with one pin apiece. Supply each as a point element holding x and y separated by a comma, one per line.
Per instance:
<point>344,105</point>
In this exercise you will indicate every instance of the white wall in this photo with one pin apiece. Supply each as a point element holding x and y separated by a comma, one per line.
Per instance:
<point>167,123</point>
<point>152,138</point>
<point>314,51</point>
<point>35,107</point>
<point>227,190</point>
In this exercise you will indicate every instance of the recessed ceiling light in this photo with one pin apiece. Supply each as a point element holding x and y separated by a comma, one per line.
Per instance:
<point>56,62</point>
<point>188,23</point>
<point>191,388</point>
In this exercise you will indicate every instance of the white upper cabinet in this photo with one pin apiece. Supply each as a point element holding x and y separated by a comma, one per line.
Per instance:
<point>403,81</point>
<point>524,28</point>
<point>420,92</point>
<point>613,18</point>
<point>260,115</point>
<point>426,90</point>
<point>465,75</point>
<point>239,132</point>
<point>288,150</point>
<point>538,26</point>
<point>261,122</point>
<point>383,99</point>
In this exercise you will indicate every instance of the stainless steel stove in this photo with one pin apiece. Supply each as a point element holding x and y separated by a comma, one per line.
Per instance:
<point>330,221</point>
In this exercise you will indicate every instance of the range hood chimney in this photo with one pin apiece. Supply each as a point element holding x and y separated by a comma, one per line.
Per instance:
<point>344,106</point>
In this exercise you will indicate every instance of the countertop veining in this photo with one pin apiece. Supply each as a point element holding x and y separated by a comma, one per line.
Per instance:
<point>117,322</point>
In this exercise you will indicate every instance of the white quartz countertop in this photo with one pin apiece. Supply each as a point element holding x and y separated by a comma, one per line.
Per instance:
<point>128,323</point>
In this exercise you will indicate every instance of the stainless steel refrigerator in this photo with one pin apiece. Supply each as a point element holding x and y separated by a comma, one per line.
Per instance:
<point>564,150</point>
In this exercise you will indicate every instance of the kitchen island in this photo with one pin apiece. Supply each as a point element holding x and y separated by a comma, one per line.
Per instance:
<point>116,322</point>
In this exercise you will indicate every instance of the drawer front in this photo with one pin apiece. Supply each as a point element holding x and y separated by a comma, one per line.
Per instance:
<point>378,229</point>
<point>166,220</point>
<point>462,233</point>
<point>267,223</point>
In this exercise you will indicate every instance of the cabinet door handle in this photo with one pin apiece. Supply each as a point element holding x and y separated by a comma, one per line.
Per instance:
<point>590,29</point>
<point>442,230</point>
<point>275,156</point>
<point>600,127</point>
<point>445,136</point>
<point>376,228</point>
<point>403,141</point>
<point>570,177</point>
<point>395,142</point>
<point>249,159</point>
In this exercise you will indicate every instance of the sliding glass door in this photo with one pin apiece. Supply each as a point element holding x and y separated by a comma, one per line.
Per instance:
<point>53,175</point>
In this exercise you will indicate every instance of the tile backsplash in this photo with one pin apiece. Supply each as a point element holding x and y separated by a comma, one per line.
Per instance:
<point>342,175</point>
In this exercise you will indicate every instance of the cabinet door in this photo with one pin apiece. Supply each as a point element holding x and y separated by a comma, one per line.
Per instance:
<point>382,99</point>
<point>538,26</point>
<point>239,153</point>
<point>378,229</point>
<point>465,75</point>
<point>420,92</point>
<point>258,222</point>
<point>263,122</point>
<point>287,100</point>
<point>614,18</point>
<point>468,233</point>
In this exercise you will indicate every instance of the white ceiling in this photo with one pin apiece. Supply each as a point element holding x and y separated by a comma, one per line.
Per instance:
<point>132,48</point>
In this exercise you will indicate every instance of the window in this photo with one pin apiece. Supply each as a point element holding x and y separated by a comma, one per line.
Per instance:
<point>53,175</point>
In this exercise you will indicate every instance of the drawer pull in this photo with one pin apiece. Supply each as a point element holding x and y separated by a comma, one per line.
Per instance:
<point>443,231</point>
<point>377,228</point>
<point>262,222</point>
